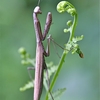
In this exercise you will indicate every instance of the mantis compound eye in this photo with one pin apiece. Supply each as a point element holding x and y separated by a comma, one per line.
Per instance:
<point>37,10</point>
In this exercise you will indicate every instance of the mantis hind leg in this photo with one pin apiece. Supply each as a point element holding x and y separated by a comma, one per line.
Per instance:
<point>48,80</point>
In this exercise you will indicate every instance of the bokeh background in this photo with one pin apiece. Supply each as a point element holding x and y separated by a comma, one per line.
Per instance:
<point>79,76</point>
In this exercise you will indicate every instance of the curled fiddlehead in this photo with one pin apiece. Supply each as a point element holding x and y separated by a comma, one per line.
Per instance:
<point>65,6</point>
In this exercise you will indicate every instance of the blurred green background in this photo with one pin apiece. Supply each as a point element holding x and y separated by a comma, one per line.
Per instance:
<point>79,76</point>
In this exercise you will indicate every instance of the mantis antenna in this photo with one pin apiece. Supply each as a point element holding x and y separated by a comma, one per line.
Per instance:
<point>38,2</point>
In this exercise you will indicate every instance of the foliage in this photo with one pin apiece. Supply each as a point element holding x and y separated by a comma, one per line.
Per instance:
<point>26,60</point>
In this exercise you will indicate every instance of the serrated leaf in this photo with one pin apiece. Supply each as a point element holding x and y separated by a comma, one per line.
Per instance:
<point>76,39</point>
<point>27,86</point>
<point>51,70</point>
<point>57,94</point>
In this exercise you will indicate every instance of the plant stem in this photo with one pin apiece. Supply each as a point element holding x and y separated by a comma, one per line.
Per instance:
<point>73,28</point>
<point>58,70</point>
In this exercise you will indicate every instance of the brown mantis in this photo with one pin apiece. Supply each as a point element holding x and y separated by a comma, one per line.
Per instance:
<point>40,51</point>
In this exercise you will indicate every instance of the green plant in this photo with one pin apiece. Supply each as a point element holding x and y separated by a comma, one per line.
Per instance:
<point>71,45</point>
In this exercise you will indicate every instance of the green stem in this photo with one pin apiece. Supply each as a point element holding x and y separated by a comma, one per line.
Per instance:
<point>59,68</point>
<point>57,72</point>
<point>72,31</point>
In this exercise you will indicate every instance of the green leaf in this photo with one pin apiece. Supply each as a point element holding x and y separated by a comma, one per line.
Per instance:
<point>51,70</point>
<point>76,39</point>
<point>57,94</point>
<point>27,86</point>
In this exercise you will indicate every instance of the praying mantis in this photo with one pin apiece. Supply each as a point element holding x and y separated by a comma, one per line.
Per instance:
<point>40,51</point>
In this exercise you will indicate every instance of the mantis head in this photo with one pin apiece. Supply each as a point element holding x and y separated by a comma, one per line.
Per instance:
<point>37,10</point>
